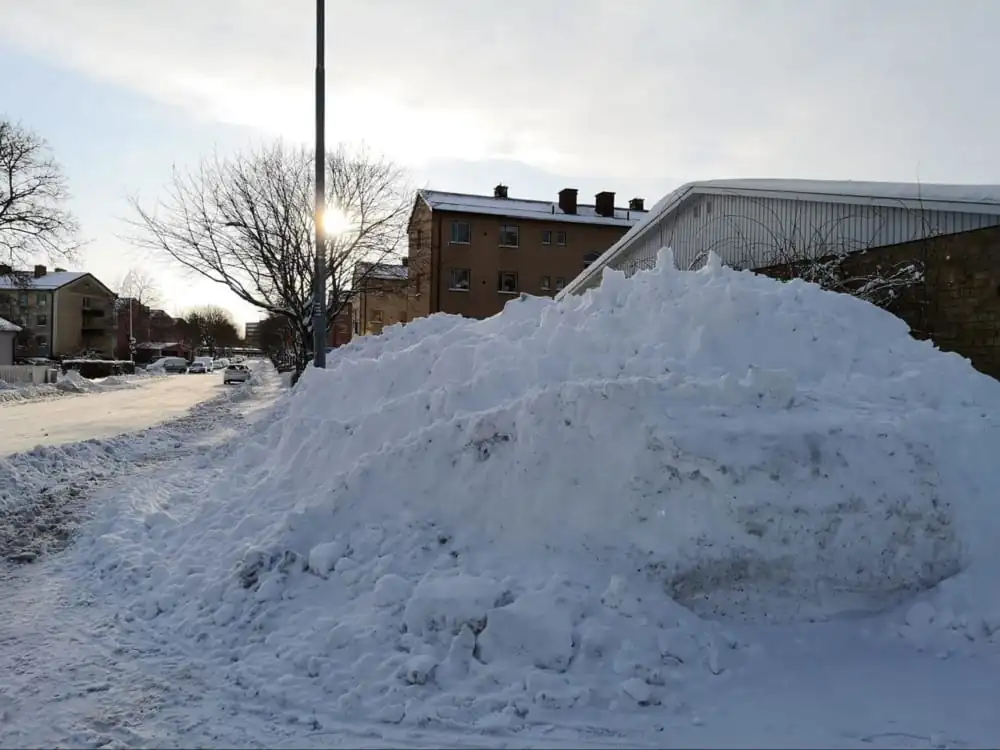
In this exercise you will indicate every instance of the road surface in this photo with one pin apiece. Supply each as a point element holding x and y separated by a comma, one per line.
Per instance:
<point>100,415</point>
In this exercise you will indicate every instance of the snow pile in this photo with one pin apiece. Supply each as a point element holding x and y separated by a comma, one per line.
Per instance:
<point>477,522</point>
<point>68,384</point>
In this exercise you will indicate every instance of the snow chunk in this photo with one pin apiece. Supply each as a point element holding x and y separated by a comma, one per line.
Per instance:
<point>446,604</point>
<point>531,631</point>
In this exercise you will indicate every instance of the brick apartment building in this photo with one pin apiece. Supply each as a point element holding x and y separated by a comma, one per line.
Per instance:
<point>471,254</point>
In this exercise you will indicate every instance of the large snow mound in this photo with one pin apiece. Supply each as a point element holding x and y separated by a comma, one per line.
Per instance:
<point>559,505</point>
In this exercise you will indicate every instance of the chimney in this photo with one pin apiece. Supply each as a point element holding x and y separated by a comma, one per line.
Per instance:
<point>60,270</point>
<point>637,204</point>
<point>604,204</point>
<point>567,200</point>
<point>500,191</point>
<point>40,271</point>
<point>406,261</point>
<point>5,270</point>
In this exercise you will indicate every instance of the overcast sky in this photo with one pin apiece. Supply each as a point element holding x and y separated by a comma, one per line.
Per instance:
<point>634,96</point>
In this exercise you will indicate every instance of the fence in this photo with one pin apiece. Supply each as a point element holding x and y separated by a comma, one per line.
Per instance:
<point>28,375</point>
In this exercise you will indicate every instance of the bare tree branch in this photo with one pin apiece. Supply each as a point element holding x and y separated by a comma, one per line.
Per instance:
<point>139,285</point>
<point>247,222</point>
<point>33,193</point>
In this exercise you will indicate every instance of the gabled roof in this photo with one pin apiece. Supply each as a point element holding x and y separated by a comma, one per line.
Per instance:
<point>49,282</point>
<point>977,199</point>
<point>386,271</point>
<point>518,208</point>
<point>7,327</point>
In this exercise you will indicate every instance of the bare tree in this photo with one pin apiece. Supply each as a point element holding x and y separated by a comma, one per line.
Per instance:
<point>247,222</point>
<point>214,327</point>
<point>140,285</point>
<point>33,193</point>
<point>277,339</point>
<point>792,240</point>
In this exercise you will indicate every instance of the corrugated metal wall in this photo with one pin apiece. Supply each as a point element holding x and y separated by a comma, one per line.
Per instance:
<point>751,232</point>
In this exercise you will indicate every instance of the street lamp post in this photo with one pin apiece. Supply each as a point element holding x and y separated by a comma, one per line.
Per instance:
<point>319,280</point>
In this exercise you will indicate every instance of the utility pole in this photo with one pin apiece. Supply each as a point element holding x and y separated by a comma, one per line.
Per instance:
<point>319,281</point>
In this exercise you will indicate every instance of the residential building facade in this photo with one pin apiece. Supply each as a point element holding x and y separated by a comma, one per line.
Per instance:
<point>251,333</point>
<point>8,341</point>
<point>381,296</point>
<point>63,313</point>
<point>471,254</point>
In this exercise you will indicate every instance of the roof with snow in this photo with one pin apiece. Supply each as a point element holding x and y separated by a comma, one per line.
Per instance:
<point>977,199</point>
<point>7,327</point>
<point>519,208</point>
<point>387,271</point>
<point>48,282</point>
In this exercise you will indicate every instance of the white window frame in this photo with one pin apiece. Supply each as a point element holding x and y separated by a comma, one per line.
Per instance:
<point>451,280</point>
<point>500,278</point>
<point>546,283</point>
<point>468,227</point>
<point>560,283</point>
<point>561,239</point>
<point>505,228</point>
<point>547,237</point>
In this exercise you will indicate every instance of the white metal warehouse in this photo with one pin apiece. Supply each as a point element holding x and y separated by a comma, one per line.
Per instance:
<point>754,223</point>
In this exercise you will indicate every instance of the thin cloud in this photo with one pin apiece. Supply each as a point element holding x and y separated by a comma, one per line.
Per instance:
<point>636,88</point>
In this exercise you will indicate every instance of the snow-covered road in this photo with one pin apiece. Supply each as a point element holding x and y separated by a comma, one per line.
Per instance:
<point>102,415</point>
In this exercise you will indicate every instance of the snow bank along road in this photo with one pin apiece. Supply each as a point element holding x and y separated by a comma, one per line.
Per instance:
<point>102,415</point>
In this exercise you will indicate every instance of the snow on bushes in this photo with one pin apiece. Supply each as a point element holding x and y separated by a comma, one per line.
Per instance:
<point>572,503</point>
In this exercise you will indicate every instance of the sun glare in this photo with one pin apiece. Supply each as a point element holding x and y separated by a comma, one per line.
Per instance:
<point>335,222</point>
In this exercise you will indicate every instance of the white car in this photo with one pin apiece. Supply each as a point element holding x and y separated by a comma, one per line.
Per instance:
<point>236,374</point>
<point>199,368</point>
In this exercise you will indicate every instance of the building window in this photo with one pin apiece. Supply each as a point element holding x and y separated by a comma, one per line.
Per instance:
<point>376,316</point>
<point>507,282</point>
<point>509,235</point>
<point>85,302</point>
<point>561,239</point>
<point>41,341</point>
<point>41,299</point>
<point>41,320</point>
<point>560,283</point>
<point>547,237</point>
<point>590,258</point>
<point>461,233</point>
<point>546,283</point>
<point>696,211</point>
<point>708,207</point>
<point>22,299</point>
<point>460,280</point>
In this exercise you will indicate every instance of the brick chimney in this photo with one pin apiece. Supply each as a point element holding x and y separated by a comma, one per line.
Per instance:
<point>500,191</point>
<point>567,200</point>
<point>5,270</point>
<point>604,204</point>
<point>637,204</point>
<point>40,271</point>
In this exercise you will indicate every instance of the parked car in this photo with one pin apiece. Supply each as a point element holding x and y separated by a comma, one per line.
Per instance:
<point>236,374</point>
<point>220,364</point>
<point>169,364</point>
<point>199,368</point>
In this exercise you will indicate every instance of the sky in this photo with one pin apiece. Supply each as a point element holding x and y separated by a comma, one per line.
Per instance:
<point>633,96</point>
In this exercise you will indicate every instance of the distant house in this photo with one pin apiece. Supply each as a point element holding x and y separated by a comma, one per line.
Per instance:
<point>64,313</point>
<point>382,298</point>
<point>8,340</point>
